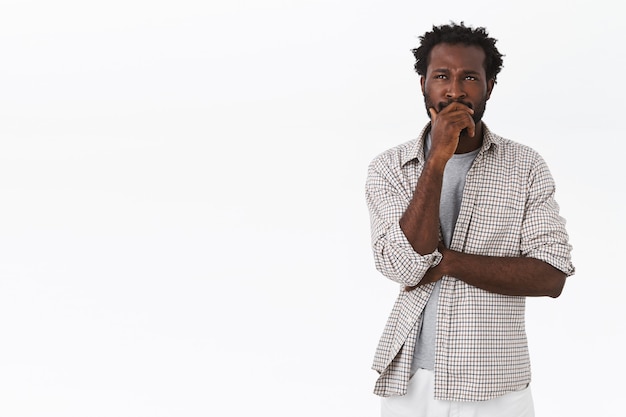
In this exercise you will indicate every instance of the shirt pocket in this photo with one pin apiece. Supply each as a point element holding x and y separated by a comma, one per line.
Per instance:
<point>495,230</point>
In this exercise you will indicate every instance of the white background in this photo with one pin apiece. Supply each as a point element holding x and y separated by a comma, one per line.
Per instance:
<point>183,228</point>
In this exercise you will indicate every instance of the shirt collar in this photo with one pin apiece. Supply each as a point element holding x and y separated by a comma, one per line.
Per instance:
<point>416,150</point>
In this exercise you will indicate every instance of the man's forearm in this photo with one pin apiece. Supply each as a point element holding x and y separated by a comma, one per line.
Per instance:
<point>420,221</point>
<point>503,275</point>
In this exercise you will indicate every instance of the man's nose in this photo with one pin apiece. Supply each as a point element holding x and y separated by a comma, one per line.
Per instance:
<point>455,90</point>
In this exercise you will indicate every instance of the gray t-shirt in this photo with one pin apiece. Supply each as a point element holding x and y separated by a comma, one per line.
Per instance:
<point>449,206</point>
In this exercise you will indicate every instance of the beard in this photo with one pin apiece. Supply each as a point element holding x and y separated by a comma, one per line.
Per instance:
<point>479,110</point>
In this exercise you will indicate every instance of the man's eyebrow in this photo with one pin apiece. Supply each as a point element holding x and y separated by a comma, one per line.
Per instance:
<point>472,72</point>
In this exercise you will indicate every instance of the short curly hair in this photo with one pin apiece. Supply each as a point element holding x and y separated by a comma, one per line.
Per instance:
<point>454,33</point>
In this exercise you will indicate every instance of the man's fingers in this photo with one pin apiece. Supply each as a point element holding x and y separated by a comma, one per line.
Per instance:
<point>433,113</point>
<point>471,129</point>
<point>457,113</point>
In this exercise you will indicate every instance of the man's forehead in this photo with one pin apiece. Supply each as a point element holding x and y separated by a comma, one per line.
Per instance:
<point>448,54</point>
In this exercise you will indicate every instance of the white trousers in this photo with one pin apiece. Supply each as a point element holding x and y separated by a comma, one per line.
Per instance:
<point>419,402</point>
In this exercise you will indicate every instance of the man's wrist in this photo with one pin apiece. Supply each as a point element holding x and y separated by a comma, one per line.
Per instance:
<point>436,162</point>
<point>448,260</point>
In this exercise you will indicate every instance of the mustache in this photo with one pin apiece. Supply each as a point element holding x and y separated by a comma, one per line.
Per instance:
<point>443,104</point>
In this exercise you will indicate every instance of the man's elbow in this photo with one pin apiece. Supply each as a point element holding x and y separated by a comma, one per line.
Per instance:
<point>558,282</point>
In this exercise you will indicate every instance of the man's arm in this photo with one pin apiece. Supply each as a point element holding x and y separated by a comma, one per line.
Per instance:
<point>502,275</point>
<point>405,236</point>
<point>420,221</point>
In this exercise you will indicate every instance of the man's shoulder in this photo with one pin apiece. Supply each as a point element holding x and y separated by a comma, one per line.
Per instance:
<point>397,155</point>
<point>513,148</point>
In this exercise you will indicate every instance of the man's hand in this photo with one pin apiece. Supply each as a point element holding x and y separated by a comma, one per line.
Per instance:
<point>446,128</point>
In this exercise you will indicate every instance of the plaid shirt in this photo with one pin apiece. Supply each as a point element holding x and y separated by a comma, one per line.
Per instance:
<point>508,209</point>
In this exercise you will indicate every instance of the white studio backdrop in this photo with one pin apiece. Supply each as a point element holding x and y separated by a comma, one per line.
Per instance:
<point>184,230</point>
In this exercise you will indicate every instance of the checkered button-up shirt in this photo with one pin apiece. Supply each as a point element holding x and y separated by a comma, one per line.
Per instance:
<point>508,209</point>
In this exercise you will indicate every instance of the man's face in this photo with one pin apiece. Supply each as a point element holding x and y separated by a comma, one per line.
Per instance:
<point>456,72</point>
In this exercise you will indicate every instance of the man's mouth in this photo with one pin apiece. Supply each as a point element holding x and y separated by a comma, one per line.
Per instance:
<point>443,105</point>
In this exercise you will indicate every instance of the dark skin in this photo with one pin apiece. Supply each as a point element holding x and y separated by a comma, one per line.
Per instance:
<point>456,88</point>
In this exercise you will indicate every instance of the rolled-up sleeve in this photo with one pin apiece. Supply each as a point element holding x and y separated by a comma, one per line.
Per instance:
<point>388,195</point>
<point>543,230</point>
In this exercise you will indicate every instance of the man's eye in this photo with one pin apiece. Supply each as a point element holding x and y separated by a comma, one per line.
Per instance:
<point>440,76</point>
<point>471,78</point>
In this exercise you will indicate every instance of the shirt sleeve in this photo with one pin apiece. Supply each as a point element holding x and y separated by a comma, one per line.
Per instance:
<point>544,235</point>
<point>387,198</point>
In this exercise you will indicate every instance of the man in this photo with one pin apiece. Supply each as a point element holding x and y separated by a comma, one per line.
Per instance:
<point>466,222</point>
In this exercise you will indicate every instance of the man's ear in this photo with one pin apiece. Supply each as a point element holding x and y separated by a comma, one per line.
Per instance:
<point>422,82</point>
<point>490,84</point>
